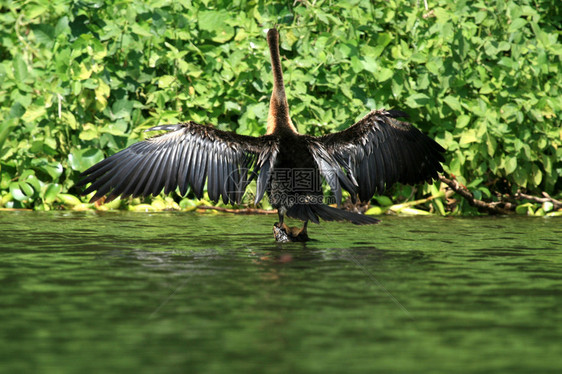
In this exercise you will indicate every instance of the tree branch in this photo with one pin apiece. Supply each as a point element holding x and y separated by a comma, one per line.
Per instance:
<point>492,208</point>
<point>557,204</point>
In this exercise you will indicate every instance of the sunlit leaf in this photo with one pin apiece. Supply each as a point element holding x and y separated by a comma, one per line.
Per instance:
<point>82,159</point>
<point>453,102</point>
<point>383,200</point>
<point>468,137</point>
<point>417,100</point>
<point>536,175</point>
<point>34,112</point>
<point>384,74</point>
<point>26,189</point>
<point>462,121</point>
<point>20,68</point>
<point>51,192</point>
<point>516,24</point>
<point>215,24</point>
<point>510,165</point>
<point>16,192</point>
<point>67,199</point>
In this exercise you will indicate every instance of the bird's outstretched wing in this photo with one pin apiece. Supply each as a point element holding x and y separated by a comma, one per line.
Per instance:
<point>189,154</point>
<point>375,153</point>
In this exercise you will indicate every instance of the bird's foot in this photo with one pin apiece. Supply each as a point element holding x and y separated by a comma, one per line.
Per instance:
<point>286,234</point>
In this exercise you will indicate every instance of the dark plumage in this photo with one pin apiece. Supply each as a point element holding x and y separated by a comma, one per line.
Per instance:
<point>374,153</point>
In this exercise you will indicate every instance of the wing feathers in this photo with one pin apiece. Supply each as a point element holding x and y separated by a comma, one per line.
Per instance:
<point>200,169</point>
<point>379,151</point>
<point>188,155</point>
<point>184,168</point>
<point>213,183</point>
<point>371,155</point>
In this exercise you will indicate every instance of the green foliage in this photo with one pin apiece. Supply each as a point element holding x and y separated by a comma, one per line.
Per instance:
<point>81,80</point>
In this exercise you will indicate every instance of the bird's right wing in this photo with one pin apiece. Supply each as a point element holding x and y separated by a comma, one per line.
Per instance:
<point>189,154</point>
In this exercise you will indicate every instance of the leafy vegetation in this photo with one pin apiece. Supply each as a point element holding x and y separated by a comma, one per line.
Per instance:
<point>82,80</point>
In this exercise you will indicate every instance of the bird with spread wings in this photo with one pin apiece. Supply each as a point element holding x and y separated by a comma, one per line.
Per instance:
<point>364,159</point>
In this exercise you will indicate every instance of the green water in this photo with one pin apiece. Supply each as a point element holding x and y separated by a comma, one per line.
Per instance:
<point>189,293</point>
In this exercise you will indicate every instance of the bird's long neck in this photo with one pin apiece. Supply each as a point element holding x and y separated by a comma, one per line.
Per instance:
<point>278,120</point>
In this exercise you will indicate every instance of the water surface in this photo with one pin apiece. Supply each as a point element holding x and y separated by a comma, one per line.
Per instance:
<point>190,293</point>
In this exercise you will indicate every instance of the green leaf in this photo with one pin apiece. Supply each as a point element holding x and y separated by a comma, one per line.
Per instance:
<point>468,137</point>
<point>525,209</point>
<point>82,159</point>
<point>118,128</point>
<point>536,175</point>
<point>376,210</point>
<point>547,206</point>
<point>34,112</point>
<point>26,189</point>
<point>51,192</point>
<point>520,176</point>
<point>33,181</point>
<point>122,108</point>
<point>384,74</point>
<point>438,204</point>
<point>35,9</point>
<point>462,121</point>
<point>52,168</point>
<point>453,102</point>
<point>16,192</point>
<point>140,30</point>
<point>370,64</point>
<point>383,39</point>
<point>5,129</point>
<point>44,34</point>
<point>383,200</point>
<point>62,26</point>
<point>516,24</point>
<point>166,80</point>
<point>20,68</point>
<point>215,24</point>
<point>89,134</point>
<point>67,199</point>
<point>510,165</point>
<point>417,100</point>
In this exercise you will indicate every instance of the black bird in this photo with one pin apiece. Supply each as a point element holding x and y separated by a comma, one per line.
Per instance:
<point>374,153</point>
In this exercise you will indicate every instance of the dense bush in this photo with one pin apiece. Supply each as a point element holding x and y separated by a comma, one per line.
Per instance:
<point>81,80</point>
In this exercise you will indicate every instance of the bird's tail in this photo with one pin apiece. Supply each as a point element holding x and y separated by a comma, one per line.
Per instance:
<point>312,212</point>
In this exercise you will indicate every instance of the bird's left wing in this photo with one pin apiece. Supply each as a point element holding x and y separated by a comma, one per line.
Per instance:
<point>376,152</point>
<point>189,154</point>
